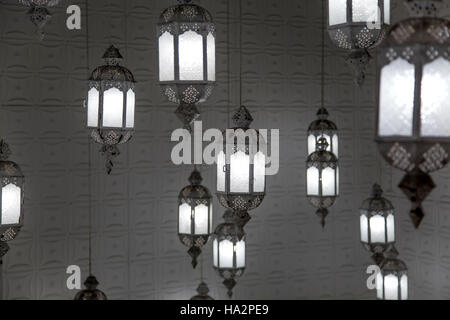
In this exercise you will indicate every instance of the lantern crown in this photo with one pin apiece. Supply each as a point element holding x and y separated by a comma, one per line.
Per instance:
<point>376,204</point>
<point>195,190</point>
<point>242,118</point>
<point>391,263</point>
<point>112,71</point>
<point>195,178</point>
<point>185,11</point>
<point>229,230</point>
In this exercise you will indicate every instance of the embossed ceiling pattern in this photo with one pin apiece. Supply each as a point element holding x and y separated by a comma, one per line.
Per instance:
<point>137,254</point>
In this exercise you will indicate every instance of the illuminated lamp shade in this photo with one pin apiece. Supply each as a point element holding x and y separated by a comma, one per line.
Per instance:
<point>357,26</point>
<point>241,167</point>
<point>377,224</point>
<point>194,216</point>
<point>111,105</point>
<point>229,251</point>
<point>187,57</point>
<point>392,281</point>
<point>413,110</point>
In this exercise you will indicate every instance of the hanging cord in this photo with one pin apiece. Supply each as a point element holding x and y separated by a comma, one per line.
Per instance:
<point>240,52</point>
<point>228,64</point>
<point>322,79</point>
<point>201,268</point>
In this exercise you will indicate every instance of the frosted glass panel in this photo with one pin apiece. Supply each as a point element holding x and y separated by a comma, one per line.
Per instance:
<point>191,56</point>
<point>337,11</point>
<point>311,144</point>
<point>185,216</point>
<point>365,11</point>
<point>220,171</point>
<point>259,172</point>
<point>239,172</point>
<point>396,99</point>
<point>201,219</point>
<point>364,228</point>
<point>390,287</point>
<point>240,254</point>
<point>166,57</point>
<point>226,254</point>
<point>377,229</point>
<point>312,181</point>
<point>211,51</point>
<point>435,110</point>
<point>210,216</point>
<point>130,108</point>
<point>113,108</point>
<point>404,287</point>
<point>93,103</point>
<point>335,146</point>
<point>379,282</point>
<point>387,11</point>
<point>215,253</point>
<point>328,182</point>
<point>391,228</point>
<point>11,203</point>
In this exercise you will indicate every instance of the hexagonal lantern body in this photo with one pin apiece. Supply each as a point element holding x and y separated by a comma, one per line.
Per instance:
<point>377,224</point>
<point>392,281</point>
<point>229,251</point>
<point>187,56</point>
<point>322,179</point>
<point>12,182</point>
<point>111,104</point>
<point>323,128</point>
<point>194,216</point>
<point>414,100</point>
<point>241,167</point>
<point>358,25</point>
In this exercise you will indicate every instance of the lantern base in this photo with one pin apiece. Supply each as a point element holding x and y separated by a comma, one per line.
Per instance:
<point>322,213</point>
<point>417,185</point>
<point>229,284</point>
<point>194,252</point>
<point>187,113</point>
<point>39,16</point>
<point>359,60</point>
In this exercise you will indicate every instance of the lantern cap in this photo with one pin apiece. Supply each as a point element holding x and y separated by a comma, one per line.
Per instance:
<point>185,11</point>
<point>230,229</point>
<point>195,178</point>
<point>91,292</point>
<point>391,263</point>
<point>202,291</point>
<point>112,56</point>
<point>195,191</point>
<point>112,71</point>
<point>423,8</point>
<point>242,118</point>
<point>322,124</point>
<point>376,204</point>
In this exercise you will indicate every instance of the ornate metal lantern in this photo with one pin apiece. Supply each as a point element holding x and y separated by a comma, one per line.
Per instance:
<point>241,167</point>
<point>322,179</point>
<point>377,224</point>
<point>202,295</point>
<point>12,183</point>
<point>187,57</point>
<point>413,100</point>
<point>39,13</point>
<point>358,25</point>
<point>229,251</point>
<point>110,105</point>
<point>194,216</point>
<point>91,292</point>
<point>392,281</point>
<point>323,128</point>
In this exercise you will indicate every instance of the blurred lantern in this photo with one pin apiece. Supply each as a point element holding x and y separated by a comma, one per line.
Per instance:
<point>241,167</point>
<point>323,128</point>
<point>12,183</point>
<point>187,57</point>
<point>202,295</point>
<point>91,292</point>
<point>194,216</point>
<point>229,251</point>
<point>377,223</point>
<point>392,281</point>
<point>39,13</point>
<point>413,112</point>
<point>322,179</point>
<point>357,26</point>
<point>110,105</point>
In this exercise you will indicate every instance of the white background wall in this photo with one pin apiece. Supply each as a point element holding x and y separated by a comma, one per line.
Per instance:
<point>137,254</point>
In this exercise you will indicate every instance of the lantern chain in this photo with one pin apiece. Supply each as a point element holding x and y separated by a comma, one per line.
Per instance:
<point>322,83</point>
<point>89,149</point>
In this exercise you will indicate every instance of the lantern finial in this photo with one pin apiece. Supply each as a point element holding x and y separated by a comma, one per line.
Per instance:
<point>242,118</point>
<point>195,178</point>
<point>5,152</point>
<point>359,60</point>
<point>377,192</point>
<point>112,56</point>
<point>322,114</point>
<point>194,252</point>
<point>229,284</point>
<point>322,213</point>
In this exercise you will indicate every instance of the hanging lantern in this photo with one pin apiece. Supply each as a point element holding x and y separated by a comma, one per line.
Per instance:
<point>392,281</point>
<point>322,179</point>
<point>194,216</point>
<point>377,223</point>
<point>12,183</point>
<point>241,167</point>
<point>357,26</point>
<point>413,102</point>
<point>110,105</point>
<point>202,295</point>
<point>91,292</point>
<point>187,57</point>
<point>229,251</point>
<point>39,13</point>
<point>323,128</point>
